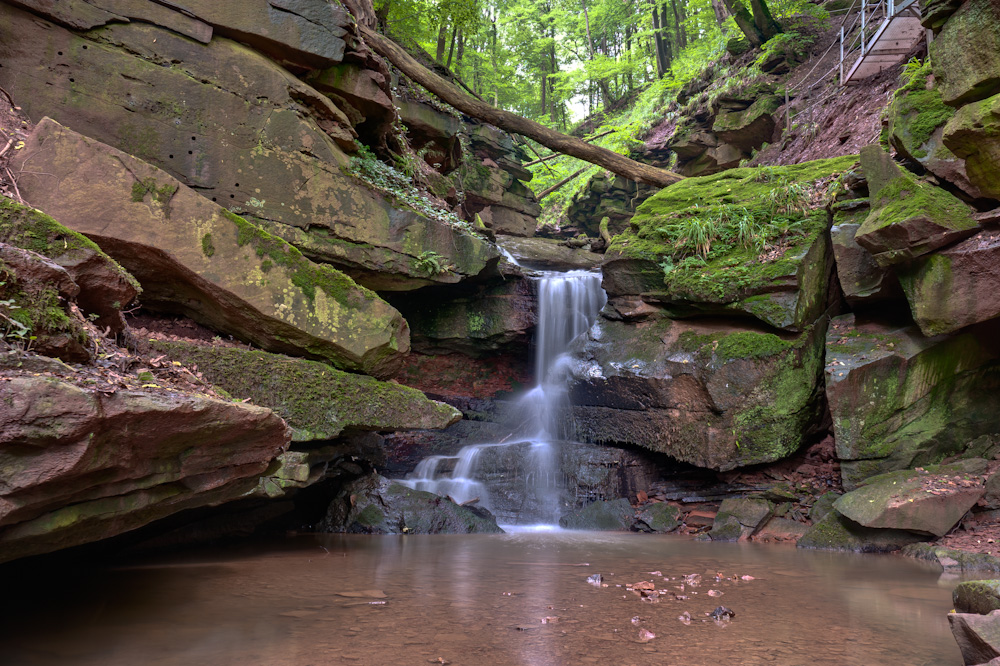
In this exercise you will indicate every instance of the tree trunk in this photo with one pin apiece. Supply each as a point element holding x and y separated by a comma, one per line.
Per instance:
<point>461,49</point>
<point>442,38</point>
<point>763,20</point>
<point>745,22</point>
<point>451,48</point>
<point>510,122</point>
<point>721,13</point>
<point>661,68</point>
<point>679,29</point>
<point>601,83</point>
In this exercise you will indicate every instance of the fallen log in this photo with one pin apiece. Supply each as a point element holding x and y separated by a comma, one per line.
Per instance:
<point>556,141</point>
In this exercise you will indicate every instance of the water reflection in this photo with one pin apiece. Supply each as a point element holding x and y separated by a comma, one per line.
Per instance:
<point>481,599</point>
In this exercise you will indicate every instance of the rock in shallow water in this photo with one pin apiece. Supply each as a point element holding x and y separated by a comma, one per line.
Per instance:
<point>376,505</point>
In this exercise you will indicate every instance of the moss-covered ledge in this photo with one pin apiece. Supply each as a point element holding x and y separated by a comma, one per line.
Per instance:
<point>317,401</point>
<point>751,241</point>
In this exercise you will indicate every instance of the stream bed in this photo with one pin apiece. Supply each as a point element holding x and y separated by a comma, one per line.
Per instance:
<point>519,598</point>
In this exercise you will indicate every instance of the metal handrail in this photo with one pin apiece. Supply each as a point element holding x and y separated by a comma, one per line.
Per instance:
<point>874,13</point>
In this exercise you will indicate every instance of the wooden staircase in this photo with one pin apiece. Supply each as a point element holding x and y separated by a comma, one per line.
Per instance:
<point>882,34</point>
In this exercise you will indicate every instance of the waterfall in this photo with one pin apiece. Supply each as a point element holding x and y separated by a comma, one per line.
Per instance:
<point>527,487</point>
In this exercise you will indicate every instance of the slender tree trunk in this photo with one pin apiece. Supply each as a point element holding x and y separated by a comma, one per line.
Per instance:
<point>721,13</point>
<point>451,48</point>
<point>679,29</point>
<point>441,41</point>
<point>461,49</point>
<point>510,122</point>
<point>661,68</point>
<point>601,83</point>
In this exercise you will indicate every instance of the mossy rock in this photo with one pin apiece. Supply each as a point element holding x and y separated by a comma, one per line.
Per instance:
<point>317,401</point>
<point>966,53</point>
<point>861,279</point>
<point>917,116</point>
<point>784,285</point>
<point>835,532</point>
<point>977,596</point>
<point>738,518</point>
<point>951,560</point>
<point>105,287</point>
<point>716,397</point>
<point>750,128</point>
<point>927,501</point>
<point>973,134</point>
<point>659,517</point>
<point>900,400</point>
<point>251,284</point>
<point>601,515</point>
<point>908,218</point>
<point>270,147</point>
<point>955,287</point>
<point>376,505</point>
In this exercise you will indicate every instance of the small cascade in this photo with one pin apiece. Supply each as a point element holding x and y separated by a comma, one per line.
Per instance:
<point>518,479</point>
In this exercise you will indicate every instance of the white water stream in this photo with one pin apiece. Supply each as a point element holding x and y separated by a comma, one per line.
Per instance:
<point>568,304</point>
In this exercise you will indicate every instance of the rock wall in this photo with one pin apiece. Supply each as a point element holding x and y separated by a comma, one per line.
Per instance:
<point>212,151</point>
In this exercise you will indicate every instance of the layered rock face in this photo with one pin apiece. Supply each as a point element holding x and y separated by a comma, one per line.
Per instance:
<point>207,150</point>
<point>83,464</point>
<point>272,147</point>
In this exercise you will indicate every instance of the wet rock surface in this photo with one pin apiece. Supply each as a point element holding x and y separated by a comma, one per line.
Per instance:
<point>376,505</point>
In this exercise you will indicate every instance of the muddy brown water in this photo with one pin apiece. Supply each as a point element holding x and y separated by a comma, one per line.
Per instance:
<point>481,600</point>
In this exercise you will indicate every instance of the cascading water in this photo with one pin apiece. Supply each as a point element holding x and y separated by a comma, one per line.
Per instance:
<point>568,304</point>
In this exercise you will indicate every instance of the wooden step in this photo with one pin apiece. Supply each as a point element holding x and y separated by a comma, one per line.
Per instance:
<point>888,46</point>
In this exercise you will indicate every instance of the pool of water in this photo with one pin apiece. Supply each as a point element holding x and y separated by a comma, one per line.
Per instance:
<point>518,598</point>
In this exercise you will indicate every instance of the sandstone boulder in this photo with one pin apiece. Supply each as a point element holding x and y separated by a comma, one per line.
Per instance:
<point>917,118</point>
<point>927,501</point>
<point>978,636</point>
<point>35,298</point>
<point>548,254</point>
<point>955,287</point>
<point>200,260</point>
<point>376,505</point>
<point>973,134</point>
<point>716,396</point>
<point>861,279</point>
<point>908,218</point>
<point>981,597</point>
<point>966,53</point>
<point>317,401</point>
<point>779,278</point>
<point>79,465</point>
<point>835,532</point>
<point>105,288</point>
<point>739,518</point>
<point>899,399</point>
<point>600,515</point>
<point>660,518</point>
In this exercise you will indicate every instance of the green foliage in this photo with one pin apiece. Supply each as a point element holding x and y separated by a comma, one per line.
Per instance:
<point>399,188</point>
<point>431,263</point>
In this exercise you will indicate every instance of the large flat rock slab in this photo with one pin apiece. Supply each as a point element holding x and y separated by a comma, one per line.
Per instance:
<point>927,501</point>
<point>198,259</point>
<point>966,53</point>
<point>908,218</point>
<point>79,465</point>
<point>759,255</point>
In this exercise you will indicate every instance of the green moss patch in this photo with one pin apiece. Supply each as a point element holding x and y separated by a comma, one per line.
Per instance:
<point>33,230</point>
<point>917,111</point>
<point>317,401</point>
<point>305,275</point>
